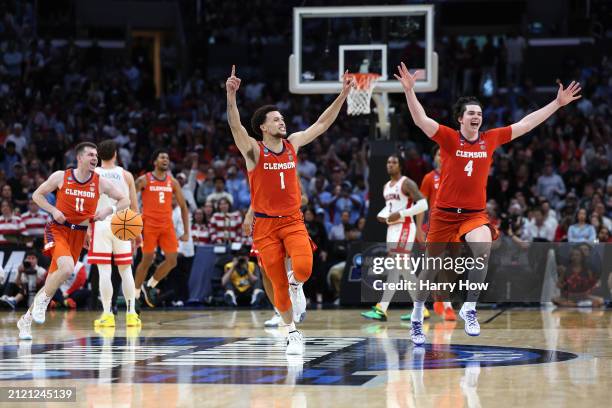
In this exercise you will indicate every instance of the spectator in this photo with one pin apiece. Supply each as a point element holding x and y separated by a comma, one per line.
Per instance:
<point>600,210</point>
<point>338,232</point>
<point>537,229</point>
<point>550,185</point>
<point>10,157</point>
<point>603,235</point>
<point>344,200</point>
<point>206,187</point>
<point>576,281</point>
<point>17,292</point>
<point>11,226</point>
<point>315,286</point>
<point>34,220</point>
<point>219,193</point>
<point>225,225</point>
<point>18,138</point>
<point>581,231</point>
<point>200,230</point>
<point>235,185</point>
<point>187,190</point>
<point>563,228</point>
<point>515,51</point>
<point>241,281</point>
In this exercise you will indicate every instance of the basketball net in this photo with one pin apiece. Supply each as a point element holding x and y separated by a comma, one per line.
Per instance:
<point>358,99</point>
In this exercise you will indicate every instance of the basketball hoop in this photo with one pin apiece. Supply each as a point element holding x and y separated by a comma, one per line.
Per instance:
<point>358,99</point>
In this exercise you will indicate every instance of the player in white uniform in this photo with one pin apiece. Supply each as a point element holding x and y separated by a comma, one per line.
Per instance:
<point>403,201</point>
<point>104,246</point>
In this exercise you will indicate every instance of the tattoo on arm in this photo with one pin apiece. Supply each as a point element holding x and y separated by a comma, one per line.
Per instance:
<point>412,190</point>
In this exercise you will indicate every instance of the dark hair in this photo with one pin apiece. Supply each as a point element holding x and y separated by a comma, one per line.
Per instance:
<point>459,106</point>
<point>157,152</point>
<point>259,117</point>
<point>7,202</point>
<point>107,149</point>
<point>217,178</point>
<point>31,252</point>
<point>81,147</point>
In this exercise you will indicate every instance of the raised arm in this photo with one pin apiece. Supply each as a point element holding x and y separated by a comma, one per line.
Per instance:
<point>564,96</point>
<point>299,139</point>
<point>132,190</point>
<point>50,185</point>
<point>408,81</point>
<point>246,144</point>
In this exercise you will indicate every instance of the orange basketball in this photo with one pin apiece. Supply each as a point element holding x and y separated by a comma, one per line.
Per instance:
<point>126,224</point>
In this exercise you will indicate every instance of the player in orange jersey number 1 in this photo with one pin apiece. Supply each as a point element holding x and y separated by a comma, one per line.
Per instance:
<point>78,191</point>
<point>158,187</point>
<point>466,156</point>
<point>279,228</point>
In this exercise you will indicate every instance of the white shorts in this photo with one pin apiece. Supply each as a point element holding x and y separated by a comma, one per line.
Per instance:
<point>105,246</point>
<point>400,237</point>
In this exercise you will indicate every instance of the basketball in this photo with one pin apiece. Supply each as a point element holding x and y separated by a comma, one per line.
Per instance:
<point>126,224</point>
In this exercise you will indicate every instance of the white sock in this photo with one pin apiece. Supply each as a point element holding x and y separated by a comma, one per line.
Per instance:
<point>383,306</point>
<point>106,287</point>
<point>27,316</point>
<point>291,327</point>
<point>469,306</point>
<point>448,305</point>
<point>152,282</point>
<point>127,284</point>
<point>417,312</point>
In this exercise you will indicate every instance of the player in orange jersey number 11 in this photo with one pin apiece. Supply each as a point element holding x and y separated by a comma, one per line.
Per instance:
<point>459,213</point>
<point>279,229</point>
<point>78,191</point>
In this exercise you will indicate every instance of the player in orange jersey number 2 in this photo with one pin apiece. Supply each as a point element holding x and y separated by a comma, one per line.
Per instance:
<point>279,229</point>
<point>466,157</point>
<point>78,191</point>
<point>158,187</point>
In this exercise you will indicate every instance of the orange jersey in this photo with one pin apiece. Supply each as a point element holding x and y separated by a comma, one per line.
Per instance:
<point>465,166</point>
<point>78,201</point>
<point>157,201</point>
<point>275,187</point>
<point>430,186</point>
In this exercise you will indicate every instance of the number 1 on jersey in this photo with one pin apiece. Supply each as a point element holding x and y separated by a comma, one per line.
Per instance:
<point>468,168</point>
<point>282,176</point>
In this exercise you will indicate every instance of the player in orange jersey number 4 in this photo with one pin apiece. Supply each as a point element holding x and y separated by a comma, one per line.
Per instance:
<point>78,192</point>
<point>466,157</point>
<point>279,229</point>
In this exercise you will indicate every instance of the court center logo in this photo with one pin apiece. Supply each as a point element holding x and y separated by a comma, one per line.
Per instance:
<point>353,361</point>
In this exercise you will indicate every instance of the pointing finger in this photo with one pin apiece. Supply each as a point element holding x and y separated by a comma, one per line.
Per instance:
<point>233,70</point>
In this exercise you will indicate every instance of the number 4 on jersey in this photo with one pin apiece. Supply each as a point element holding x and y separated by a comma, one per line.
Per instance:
<point>468,168</point>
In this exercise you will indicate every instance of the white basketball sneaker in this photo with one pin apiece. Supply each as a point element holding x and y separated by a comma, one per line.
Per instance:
<point>275,321</point>
<point>416,333</point>
<point>25,328</point>
<point>295,343</point>
<point>472,328</point>
<point>39,308</point>
<point>298,300</point>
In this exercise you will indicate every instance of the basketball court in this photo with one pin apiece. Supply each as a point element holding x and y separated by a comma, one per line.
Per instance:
<point>225,358</point>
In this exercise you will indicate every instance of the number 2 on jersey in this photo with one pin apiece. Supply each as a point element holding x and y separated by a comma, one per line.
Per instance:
<point>162,197</point>
<point>282,176</point>
<point>468,168</point>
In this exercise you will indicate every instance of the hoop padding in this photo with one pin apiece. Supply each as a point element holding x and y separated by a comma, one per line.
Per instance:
<point>358,100</point>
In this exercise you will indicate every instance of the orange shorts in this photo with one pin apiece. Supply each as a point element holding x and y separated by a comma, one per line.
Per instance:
<point>445,227</point>
<point>62,241</point>
<point>162,237</point>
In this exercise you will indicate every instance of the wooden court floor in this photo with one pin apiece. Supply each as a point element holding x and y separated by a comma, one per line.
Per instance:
<point>221,358</point>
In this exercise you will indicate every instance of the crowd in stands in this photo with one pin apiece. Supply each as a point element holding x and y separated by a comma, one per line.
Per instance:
<point>554,184</point>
